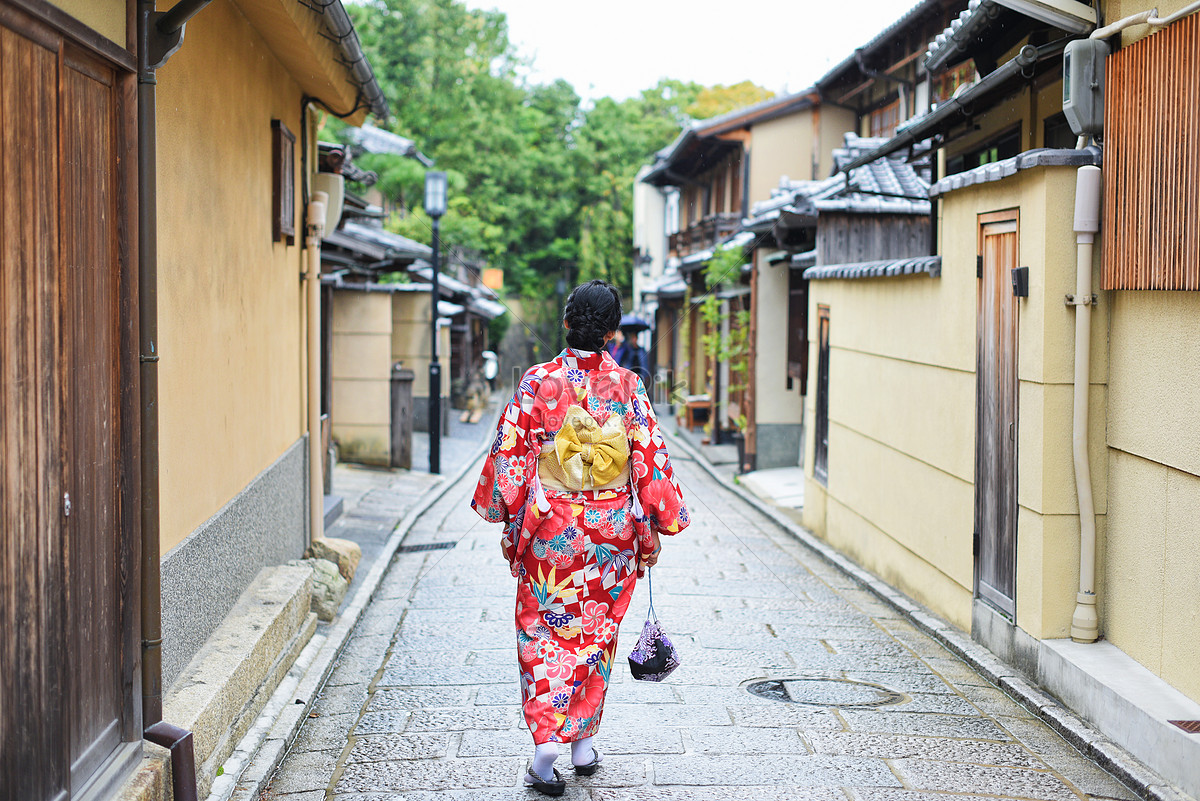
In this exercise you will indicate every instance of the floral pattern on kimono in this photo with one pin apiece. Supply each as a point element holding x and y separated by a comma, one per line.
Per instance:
<point>575,554</point>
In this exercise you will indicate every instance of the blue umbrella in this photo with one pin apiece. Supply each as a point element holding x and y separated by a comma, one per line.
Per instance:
<point>633,322</point>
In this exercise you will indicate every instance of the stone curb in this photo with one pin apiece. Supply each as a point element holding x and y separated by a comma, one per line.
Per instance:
<point>259,753</point>
<point>1072,728</point>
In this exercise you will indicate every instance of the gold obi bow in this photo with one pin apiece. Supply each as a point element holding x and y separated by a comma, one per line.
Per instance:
<point>590,455</point>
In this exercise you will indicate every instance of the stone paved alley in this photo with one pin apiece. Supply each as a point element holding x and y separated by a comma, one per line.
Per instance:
<point>423,702</point>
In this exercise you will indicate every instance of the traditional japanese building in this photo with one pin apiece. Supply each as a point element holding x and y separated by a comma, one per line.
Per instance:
<point>1006,435</point>
<point>157,372</point>
<point>721,167</point>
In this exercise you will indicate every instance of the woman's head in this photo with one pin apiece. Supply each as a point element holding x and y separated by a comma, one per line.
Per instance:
<point>593,312</point>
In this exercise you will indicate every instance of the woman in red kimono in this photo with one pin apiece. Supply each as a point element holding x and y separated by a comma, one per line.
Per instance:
<point>579,473</point>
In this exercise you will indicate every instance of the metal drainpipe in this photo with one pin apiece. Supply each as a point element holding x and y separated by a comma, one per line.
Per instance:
<point>315,230</point>
<point>151,606</point>
<point>152,52</point>
<point>1085,622</point>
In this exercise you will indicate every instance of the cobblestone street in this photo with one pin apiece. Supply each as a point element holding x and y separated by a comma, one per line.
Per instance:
<point>797,683</point>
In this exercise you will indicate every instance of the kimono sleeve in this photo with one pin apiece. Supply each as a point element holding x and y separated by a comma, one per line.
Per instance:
<point>503,486</point>
<point>653,476</point>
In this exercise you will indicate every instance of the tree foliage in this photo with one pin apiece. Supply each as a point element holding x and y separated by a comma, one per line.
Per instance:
<point>537,181</point>
<point>714,101</point>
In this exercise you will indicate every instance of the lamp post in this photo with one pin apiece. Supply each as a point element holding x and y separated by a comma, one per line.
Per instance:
<point>435,207</point>
<point>560,292</point>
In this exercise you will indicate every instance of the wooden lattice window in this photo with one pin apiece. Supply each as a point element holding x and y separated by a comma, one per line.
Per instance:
<point>945,85</point>
<point>1150,228</point>
<point>883,121</point>
<point>283,183</point>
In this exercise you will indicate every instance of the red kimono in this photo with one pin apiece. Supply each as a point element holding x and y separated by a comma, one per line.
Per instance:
<point>575,530</point>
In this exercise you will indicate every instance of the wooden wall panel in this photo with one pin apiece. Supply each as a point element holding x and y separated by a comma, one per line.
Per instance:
<point>852,238</point>
<point>1150,227</point>
<point>90,274</point>
<point>32,708</point>
<point>69,671</point>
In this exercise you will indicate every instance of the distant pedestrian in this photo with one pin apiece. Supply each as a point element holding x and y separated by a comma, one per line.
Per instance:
<point>632,356</point>
<point>579,473</point>
<point>613,345</point>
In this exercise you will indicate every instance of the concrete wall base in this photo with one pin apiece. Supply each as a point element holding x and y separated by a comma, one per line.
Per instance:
<point>1107,688</point>
<point>778,445</point>
<point>1127,703</point>
<point>994,631</point>
<point>228,682</point>
<point>151,780</point>
<point>202,577</point>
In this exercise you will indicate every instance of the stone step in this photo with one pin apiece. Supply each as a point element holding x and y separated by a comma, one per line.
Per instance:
<point>222,690</point>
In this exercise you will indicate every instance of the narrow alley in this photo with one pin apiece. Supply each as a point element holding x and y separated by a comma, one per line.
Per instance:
<point>797,683</point>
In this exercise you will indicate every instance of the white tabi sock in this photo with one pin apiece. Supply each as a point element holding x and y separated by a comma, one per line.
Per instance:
<point>582,751</point>
<point>543,760</point>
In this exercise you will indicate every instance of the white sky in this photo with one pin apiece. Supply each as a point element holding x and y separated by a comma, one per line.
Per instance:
<point>620,47</point>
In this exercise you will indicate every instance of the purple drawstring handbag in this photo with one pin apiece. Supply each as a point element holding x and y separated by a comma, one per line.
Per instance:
<point>654,656</point>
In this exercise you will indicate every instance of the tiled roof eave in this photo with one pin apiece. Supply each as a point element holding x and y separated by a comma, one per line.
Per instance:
<point>989,173</point>
<point>917,265</point>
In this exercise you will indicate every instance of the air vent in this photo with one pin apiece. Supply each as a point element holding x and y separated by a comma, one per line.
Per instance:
<point>426,546</point>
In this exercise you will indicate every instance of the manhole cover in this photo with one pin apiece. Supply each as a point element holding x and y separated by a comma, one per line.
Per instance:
<point>826,692</point>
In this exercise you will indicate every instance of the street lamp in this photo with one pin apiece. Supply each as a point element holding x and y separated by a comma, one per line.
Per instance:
<point>560,292</point>
<point>435,207</point>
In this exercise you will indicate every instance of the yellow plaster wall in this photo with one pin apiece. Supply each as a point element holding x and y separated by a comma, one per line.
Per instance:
<point>778,147</point>
<point>1149,607</point>
<point>901,432</point>
<point>231,303</point>
<point>362,364</point>
<point>1150,558</point>
<point>900,496</point>
<point>835,122</point>
<point>411,338</point>
<point>1113,10</point>
<point>106,17</point>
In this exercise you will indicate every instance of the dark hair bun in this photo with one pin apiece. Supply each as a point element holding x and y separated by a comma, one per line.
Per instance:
<point>593,309</point>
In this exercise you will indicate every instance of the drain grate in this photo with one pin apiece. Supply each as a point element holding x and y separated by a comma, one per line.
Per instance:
<point>1190,726</point>
<point>426,546</point>
<point>842,693</point>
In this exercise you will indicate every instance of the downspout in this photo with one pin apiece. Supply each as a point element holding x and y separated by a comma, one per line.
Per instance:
<point>159,35</point>
<point>151,606</point>
<point>1085,623</point>
<point>314,232</point>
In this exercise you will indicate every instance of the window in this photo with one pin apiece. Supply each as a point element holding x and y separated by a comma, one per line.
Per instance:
<point>1004,146</point>
<point>797,343</point>
<point>821,435</point>
<point>735,180</point>
<point>1056,132</point>
<point>283,176</point>
<point>946,84</point>
<point>883,121</point>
